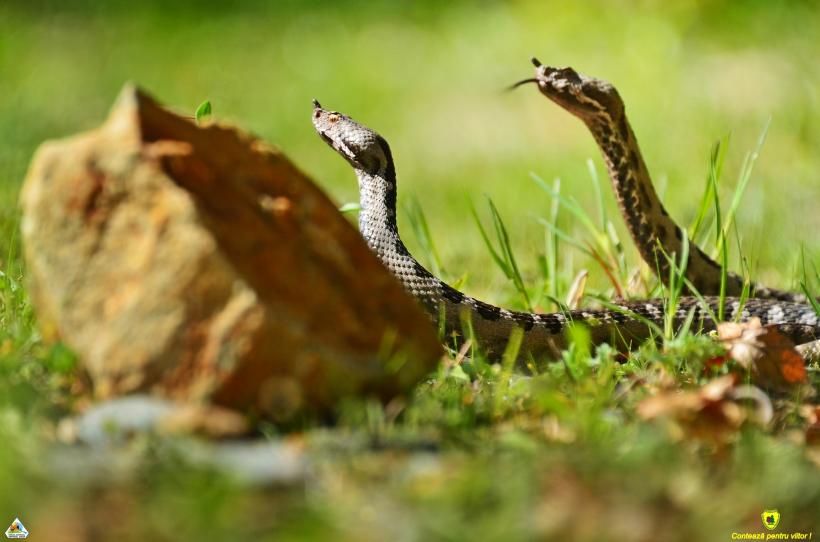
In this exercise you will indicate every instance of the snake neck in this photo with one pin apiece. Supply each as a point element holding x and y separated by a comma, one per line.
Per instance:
<point>646,218</point>
<point>377,224</point>
<point>655,233</point>
<point>377,207</point>
<point>377,213</point>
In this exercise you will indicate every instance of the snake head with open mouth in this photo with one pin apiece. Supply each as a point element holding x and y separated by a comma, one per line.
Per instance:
<point>585,97</point>
<point>358,144</point>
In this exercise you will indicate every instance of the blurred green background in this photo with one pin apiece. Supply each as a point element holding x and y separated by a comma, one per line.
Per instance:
<point>429,76</point>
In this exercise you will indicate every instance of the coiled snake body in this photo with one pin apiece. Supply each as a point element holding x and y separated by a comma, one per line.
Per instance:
<point>543,334</point>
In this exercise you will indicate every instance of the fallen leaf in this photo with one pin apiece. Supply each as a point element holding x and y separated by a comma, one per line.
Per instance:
<point>716,362</point>
<point>811,413</point>
<point>708,413</point>
<point>577,289</point>
<point>770,356</point>
<point>675,404</point>
<point>792,367</point>
<point>716,389</point>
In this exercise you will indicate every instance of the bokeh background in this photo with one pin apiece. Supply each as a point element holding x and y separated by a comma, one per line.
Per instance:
<point>429,76</point>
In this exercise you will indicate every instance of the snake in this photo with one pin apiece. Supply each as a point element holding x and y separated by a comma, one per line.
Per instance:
<point>489,327</point>
<point>600,107</point>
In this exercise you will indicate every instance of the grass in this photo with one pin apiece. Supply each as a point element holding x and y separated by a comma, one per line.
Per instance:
<point>503,257</point>
<point>480,451</point>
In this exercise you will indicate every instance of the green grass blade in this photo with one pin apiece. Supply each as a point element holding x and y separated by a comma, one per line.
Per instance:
<point>812,299</point>
<point>502,388</point>
<point>570,204</point>
<point>552,242</point>
<point>421,230</point>
<point>804,282</point>
<point>599,195</point>
<point>745,174</point>
<point>497,258</point>
<point>716,161</point>
<point>677,275</point>
<point>558,233</point>
<point>507,252</point>
<point>350,207</point>
<point>724,251</point>
<point>607,246</point>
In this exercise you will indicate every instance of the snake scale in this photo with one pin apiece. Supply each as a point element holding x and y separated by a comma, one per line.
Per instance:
<point>543,334</point>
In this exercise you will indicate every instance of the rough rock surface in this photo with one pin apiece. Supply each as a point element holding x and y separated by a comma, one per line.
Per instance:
<point>198,263</point>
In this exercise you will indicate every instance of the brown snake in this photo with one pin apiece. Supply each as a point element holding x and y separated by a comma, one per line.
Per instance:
<point>600,107</point>
<point>491,326</point>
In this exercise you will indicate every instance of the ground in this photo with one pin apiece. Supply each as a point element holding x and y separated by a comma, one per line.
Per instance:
<point>479,451</point>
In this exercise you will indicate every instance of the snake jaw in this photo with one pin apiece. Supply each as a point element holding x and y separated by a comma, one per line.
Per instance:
<point>340,147</point>
<point>345,150</point>
<point>585,97</point>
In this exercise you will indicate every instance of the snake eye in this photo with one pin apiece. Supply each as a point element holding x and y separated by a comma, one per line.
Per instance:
<point>332,118</point>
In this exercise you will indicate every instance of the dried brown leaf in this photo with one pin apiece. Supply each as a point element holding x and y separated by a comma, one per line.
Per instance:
<point>771,356</point>
<point>707,413</point>
<point>577,289</point>
<point>811,413</point>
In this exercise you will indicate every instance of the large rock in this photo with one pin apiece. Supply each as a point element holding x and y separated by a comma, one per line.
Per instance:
<point>200,264</point>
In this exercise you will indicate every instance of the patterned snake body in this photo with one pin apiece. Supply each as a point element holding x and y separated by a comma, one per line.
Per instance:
<point>600,107</point>
<point>544,334</point>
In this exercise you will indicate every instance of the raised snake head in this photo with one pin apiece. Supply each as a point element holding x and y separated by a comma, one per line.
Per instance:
<point>358,144</point>
<point>585,97</point>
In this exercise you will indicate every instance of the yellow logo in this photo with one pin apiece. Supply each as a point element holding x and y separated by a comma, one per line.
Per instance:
<point>771,519</point>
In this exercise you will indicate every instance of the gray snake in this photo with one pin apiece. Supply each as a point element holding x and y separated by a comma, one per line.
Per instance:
<point>544,335</point>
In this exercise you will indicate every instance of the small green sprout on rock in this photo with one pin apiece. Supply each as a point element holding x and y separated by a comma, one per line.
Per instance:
<point>204,110</point>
